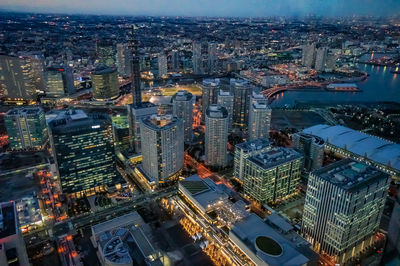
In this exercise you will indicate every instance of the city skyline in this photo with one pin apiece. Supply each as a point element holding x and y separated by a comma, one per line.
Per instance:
<point>208,8</point>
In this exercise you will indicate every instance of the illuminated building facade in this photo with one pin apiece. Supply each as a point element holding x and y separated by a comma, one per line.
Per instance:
<point>182,107</point>
<point>210,89</point>
<point>216,136</point>
<point>272,175</point>
<point>105,84</point>
<point>106,53</point>
<point>163,154</point>
<point>225,99</point>
<point>58,82</point>
<point>26,128</point>
<point>123,60</point>
<point>259,121</point>
<point>162,65</point>
<point>313,149</point>
<point>83,149</point>
<point>245,150</point>
<point>120,129</point>
<point>241,91</point>
<point>343,208</point>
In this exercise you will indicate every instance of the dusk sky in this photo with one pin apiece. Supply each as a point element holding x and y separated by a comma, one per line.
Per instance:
<point>251,8</point>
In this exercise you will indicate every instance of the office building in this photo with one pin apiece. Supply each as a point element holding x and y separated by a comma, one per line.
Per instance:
<point>308,57</point>
<point>345,142</point>
<point>245,150</point>
<point>175,61</point>
<point>343,208</point>
<point>163,153</point>
<point>209,89</point>
<point>12,245</point>
<point>136,85</point>
<point>20,78</point>
<point>58,81</point>
<point>26,128</point>
<point>105,53</point>
<point>123,60</point>
<point>83,149</point>
<point>272,175</point>
<point>225,99</point>
<point>197,58</point>
<point>212,58</point>
<point>162,65</point>
<point>216,136</point>
<point>137,112</point>
<point>321,58</point>
<point>120,129</point>
<point>241,91</point>
<point>259,120</point>
<point>105,84</point>
<point>313,149</point>
<point>182,107</point>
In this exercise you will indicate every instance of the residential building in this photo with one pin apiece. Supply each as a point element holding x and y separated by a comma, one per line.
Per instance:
<point>226,99</point>
<point>182,107</point>
<point>241,91</point>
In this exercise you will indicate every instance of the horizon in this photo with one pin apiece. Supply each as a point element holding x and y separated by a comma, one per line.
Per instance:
<point>209,8</point>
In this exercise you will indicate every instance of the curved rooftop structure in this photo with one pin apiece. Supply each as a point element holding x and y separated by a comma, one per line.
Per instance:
<point>376,149</point>
<point>211,82</point>
<point>216,111</point>
<point>182,95</point>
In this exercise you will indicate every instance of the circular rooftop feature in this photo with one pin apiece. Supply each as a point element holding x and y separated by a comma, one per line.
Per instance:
<point>268,246</point>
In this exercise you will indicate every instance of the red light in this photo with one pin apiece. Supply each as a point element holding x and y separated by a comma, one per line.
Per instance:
<point>61,69</point>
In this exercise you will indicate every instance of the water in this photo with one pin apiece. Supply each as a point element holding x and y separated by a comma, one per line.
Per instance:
<point>381,85</point>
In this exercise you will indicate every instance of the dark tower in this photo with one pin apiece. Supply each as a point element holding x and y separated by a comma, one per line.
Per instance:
<point>135,85</point>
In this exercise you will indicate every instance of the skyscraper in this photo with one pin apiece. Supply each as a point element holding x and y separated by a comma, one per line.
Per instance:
<point>105,84</point>
<point>136,83</point>
<point>123,60</point>
<point>259,120</point>
<point>245,150</point>
<point>105,50</point>
<point>26,128</point>
<point>163,154</point>
<point>241,91</point>
<point>120,129</point>
<point>272,175</point>
<point>197,58</point>
<point>209,89</point>
<point>82,146</point>
<point>212,58</point>
<point>19,77</point>
<point>312,147</point>
<point>216,136</point>
<point>343,208</point>
<point>321,58</point>
<point>162,65</point>
<point>12,245</point>
<point>308,57</point>
<point>182,107</point>
<point>225,99</point>
<point>175,64</point>
<point>58,81</point>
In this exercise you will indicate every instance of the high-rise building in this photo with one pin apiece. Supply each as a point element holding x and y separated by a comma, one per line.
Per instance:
<point>343,208</point>
<point>162,65</point>
<point>58,81</point>
<point>105,53</point>
<point>258,97</point>
<point>163,154</point>
<point>123,60</point>
<point>394,229</point>
<point>20,77</point>
<point>175,64</point>
<point>308,57</point>
<point>312,147</point>
<point>241,91</point>
<point>197,58</point>
<point>120,129</point>
<point>225,99</point>
<point>26,128</point>
<point>12,245</point>
<point>245,150</point>
<point>216,136</point>
<point>259,120</point>
<point>212,58</point>
<point>137,112</point>
<point>136,86</point>
<point>321,58</point>
<point>182,107</point>
<point>209,89</point>
<point>105,84</point>
<point>272,175</point>
<point>83,149</point>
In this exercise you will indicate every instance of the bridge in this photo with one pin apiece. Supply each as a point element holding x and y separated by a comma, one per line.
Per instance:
<point>304,86</point>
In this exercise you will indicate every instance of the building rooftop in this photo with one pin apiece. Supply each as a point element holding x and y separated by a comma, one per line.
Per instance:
<point>225,93</point>
<point>121,221</point>
<point>8,219</point>
<point>211,82</point>
<point>253,145</point>
<point>182,95</point>
<point>350,174</point>
<point>238,82</point>
<point>376,149</point>
<point>216,111</point>
<point>317,140</point>
<point>260,106</point>
<point>159,122</point>
<point>143,105</point>
<point>274,157</point>
<point>25,110</point>
<point>104,70</point>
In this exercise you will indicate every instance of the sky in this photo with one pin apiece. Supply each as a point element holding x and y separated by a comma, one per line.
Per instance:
<point>212,8</point>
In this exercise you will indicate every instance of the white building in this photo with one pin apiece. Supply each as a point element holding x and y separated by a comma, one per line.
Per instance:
<point>216,136</point>
<point>343,208</point>
<point>259,120</point>
<point>225,99</point>
<point>321,58</point>
<point>182,107</point>
<point>163,154</point>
